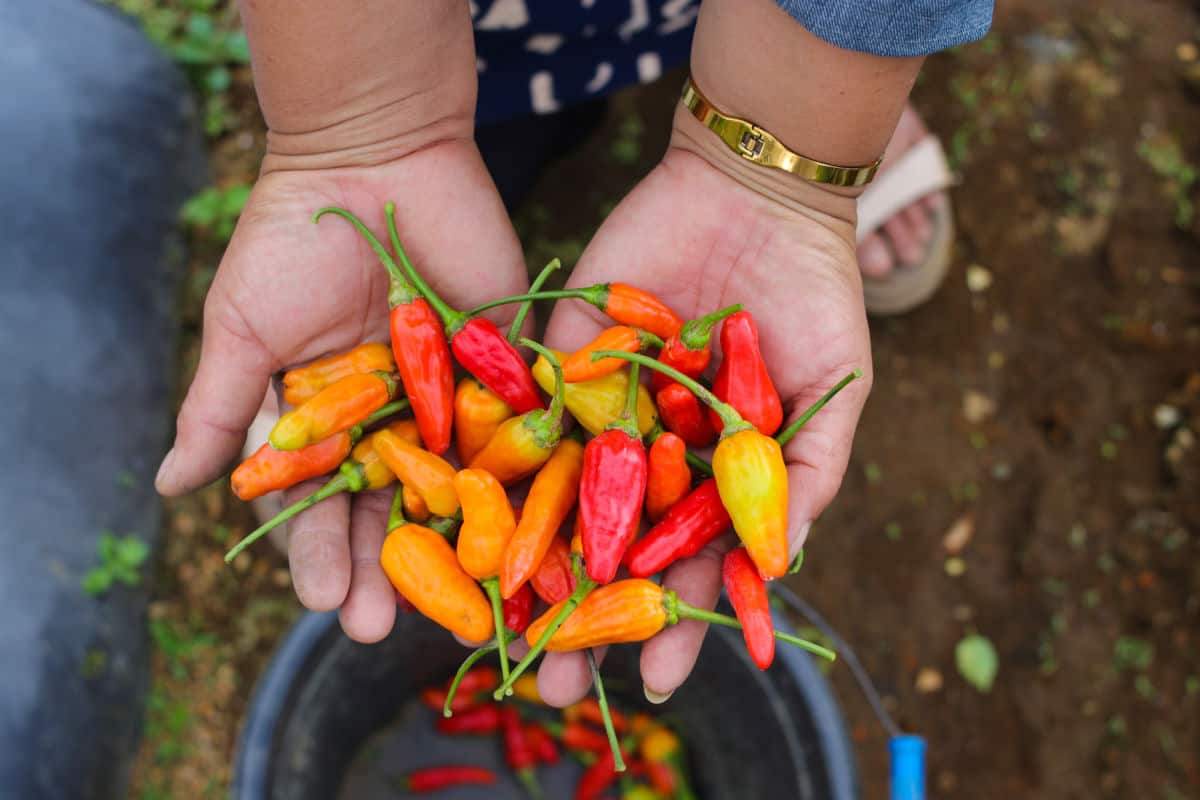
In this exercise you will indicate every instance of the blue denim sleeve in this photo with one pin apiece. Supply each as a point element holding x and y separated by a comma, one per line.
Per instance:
<point>893,27</point>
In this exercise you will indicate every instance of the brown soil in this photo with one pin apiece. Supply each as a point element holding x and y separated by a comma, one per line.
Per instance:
<point>1049,418</point>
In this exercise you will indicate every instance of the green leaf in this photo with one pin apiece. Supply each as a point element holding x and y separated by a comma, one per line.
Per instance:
<point>132,551</point>
<point>202,208</point>
<point>977,662</point>
<point>217,79</point>
<point>236,48</point>
<point>96,582</point>
<point>200,28</point>
<point>1131,652</point>
<point>106,547</point>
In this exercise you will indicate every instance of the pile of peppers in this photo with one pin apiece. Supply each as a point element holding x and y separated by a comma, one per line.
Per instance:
<point>533,735</point>
<point>596,453</point>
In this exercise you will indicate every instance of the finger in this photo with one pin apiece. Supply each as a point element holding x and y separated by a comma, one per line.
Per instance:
<point>668,658</point>
<point>369,611</point>
<point>566,678</point>
<point>224,396</point>
<point>319,549</point>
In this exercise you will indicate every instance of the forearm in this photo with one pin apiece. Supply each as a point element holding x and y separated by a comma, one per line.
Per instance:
<point>360,83</point>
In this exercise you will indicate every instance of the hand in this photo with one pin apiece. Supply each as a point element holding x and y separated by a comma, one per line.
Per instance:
<point>289,291</point>
<point>697,237</point>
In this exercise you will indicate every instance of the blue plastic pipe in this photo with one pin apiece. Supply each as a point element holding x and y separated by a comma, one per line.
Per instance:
<point>908,767</point>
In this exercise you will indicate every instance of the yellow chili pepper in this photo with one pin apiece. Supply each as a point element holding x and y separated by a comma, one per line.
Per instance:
<point>598,402</point>
<point>659,745</point>
<point>478,412</point>
<point>303,383</point>
<point>428,474</point>
<point>525,688</point>
<point>336,408</point>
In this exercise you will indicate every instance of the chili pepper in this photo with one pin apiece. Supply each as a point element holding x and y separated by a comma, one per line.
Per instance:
<point>521,445</point>
<point>305,382</point>
<point>597,778</point>
<point>580,738</point>
<point>550,499</point>
<point>519,753</point>
<point>478,412</point>
<point>632,610</point>
<point>668,477</point>
<point>612,490</point>
<point>688,351</point>
<point>743,380</point>
<point>518,610</point>
<point>425,472</point>
<point>526,689</point>
<point>594,404</point>
<point>488,524</point>
<point>688,526</point>
<point>661,777</point>
<point>588,710</point>
<point>579,365</point>
<point>750,473</point>
<point>640,791</point>
<point>270,470</point>
<point>623,303</point>
<point>640,723</point>
<point>475,681</point>
<point>434,779</point>
<point>748,593</point>
<point>418,344</point>
<point>336,408</point>
<point>423,567</point>
<point>683,416</point>
<point>663,754</point>
<point>478,721</point>
<point>415,507</point>
<point>435,698</point>
<point>542,742</point>
<point>554,580</point>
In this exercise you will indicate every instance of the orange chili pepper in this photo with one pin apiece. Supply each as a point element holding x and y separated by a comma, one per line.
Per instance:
<point>550,499</point>
<point>588,710</point>
<point>303,383</point>
<point>554,579</point>
<point>525,688</point>
<point>579,366</point>
<point>594,404</point>
<point>523,444</point>
<point>270,470</point>
<point>423,567</point>
<point>478,413</point>
<point>669,476</point>
<point>626,304</point>
<point>415,507</point>
<point>336,408</point>
<point>488,525</point>
<point>430,475</point>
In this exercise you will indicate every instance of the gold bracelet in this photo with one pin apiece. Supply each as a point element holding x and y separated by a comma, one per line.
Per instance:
<point>759,147</point>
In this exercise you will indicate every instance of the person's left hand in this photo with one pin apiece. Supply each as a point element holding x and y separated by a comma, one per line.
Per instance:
<point>699,239</point>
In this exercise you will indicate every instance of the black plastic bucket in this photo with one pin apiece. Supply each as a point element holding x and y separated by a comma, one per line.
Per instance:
<point>750,734</point>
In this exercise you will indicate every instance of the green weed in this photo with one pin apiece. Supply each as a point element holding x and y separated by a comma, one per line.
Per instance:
<point>120,560</point>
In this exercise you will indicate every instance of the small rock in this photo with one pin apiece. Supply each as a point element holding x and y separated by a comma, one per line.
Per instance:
<point>959,534</point>
<point>1185,438</point>
<point>979,278</point>
<point>1166,416</point>
<point>996,360</point>
<point>242,561</point>
<point>1090,708</point>
<point>947,781</point>
<point>281,578</point>
<point>955,567</point>
<point>1186,51</point>
<point>929,680</point>
<point>1000,323</point>
<point>977,406</point>
<point>245,140</point>
<point>1002,470</point>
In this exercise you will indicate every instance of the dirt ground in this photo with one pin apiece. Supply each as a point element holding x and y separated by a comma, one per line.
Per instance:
<point>1026,467</point>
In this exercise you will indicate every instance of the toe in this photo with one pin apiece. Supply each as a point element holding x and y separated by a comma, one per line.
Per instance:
<point>903,240</point>
<point>874,257</point>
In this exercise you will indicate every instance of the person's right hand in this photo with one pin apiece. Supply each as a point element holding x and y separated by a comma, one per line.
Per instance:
<point>289,291</point>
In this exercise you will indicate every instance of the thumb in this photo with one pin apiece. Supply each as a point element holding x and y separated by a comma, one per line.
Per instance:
<point>227,391</point>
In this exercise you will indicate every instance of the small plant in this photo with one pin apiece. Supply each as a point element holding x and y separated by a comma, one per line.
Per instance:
<point>120,560</point>
<point>1166,158</point>
<point>1131,653</point>
<point>216,210</point>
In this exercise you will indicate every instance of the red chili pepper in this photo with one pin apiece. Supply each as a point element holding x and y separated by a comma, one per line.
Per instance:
<point>472,688</point>
<point>433,779</point>
<point>668,475</point>
<point>519,753</point>
<point>661,777</point>
<point>419,345</point>
<point>588,710</point>
<point>690,524</point>
<point>742,379</point>
<point>612,491</point>
<point>554,579</point>
<point>477,721</point>
<point>683,416</point>
<point>581,738</point>
<point>542,743</point>
<point>597,778</point>
<point>518,610</point>
<point>688,351</point>
<point>748,593</point>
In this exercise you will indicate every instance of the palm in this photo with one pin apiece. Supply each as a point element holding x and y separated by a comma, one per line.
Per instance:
<point>700,241</point>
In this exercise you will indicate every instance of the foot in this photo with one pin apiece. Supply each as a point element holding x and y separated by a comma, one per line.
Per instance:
<point>904,239</point>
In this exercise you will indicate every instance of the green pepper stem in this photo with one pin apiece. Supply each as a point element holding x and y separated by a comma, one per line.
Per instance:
<point>582,588</point>
<point>648,339</point>
<point>466,665</point>
<point>699,464</point>
<point>446,526</point>
<point>452,319</point>
<point>731,420</point>
<point>696,334</point>
<point>402,291</point>
<point>597,295</point>
<point>514,330</point>
<point>683,790</point>
<point>528,778</point>
<point>797,563</point>
<point>628,421</point>
<point>552,417</point>
<point>394,407</point>
<point>492,587</point>
<point>691,612</point>
<point>396,514</point>
<point>605,714</point>
<point>336,485</point>
<point>787,433</point>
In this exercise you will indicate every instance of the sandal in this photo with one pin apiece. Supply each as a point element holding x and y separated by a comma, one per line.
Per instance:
<point>919,171</point>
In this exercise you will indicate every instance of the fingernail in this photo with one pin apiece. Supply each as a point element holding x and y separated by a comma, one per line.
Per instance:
<point>165,468</point>
<point>654,697</point>
<point>798,542</point>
